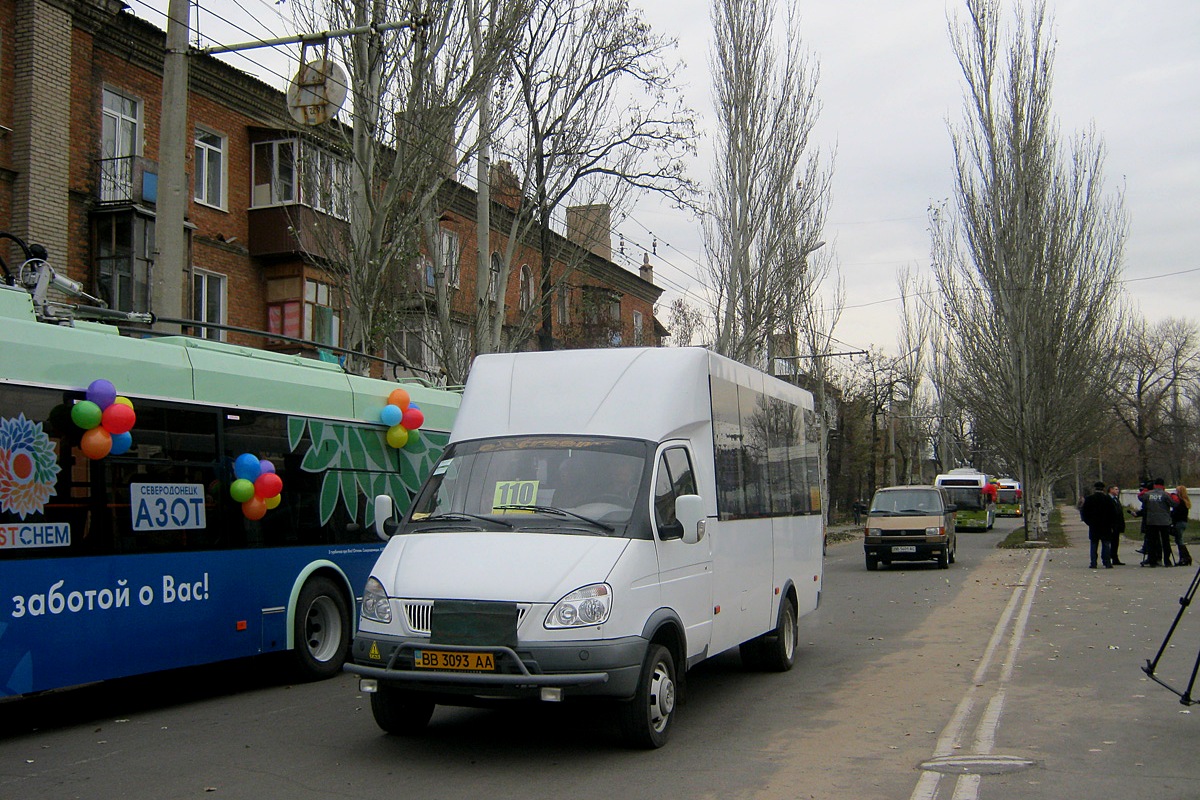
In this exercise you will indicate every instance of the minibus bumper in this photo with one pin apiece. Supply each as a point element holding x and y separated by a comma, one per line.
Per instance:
<point>549,670</point>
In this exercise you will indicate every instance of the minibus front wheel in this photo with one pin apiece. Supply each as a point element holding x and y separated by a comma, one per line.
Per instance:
<point>646,719</point>
<point>400,712</point>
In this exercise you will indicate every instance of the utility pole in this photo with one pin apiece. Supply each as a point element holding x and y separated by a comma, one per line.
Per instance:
<point>172,259</point>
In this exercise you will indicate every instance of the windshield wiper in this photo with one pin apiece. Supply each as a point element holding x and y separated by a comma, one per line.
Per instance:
<point>562,512</point>
<point>463,516</point>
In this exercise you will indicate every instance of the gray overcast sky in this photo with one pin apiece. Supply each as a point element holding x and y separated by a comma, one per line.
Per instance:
<point>889,83</point>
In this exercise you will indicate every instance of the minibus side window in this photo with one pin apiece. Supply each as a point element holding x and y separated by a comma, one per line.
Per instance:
<point>675,478</point>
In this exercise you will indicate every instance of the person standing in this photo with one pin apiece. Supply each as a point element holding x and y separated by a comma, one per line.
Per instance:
<point>1156,522</point>
<point>1179,521</point>
<point>1114,492</point>
<point>1100,515</point>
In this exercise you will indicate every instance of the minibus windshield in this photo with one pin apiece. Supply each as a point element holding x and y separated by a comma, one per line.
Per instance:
<point>590,483</point>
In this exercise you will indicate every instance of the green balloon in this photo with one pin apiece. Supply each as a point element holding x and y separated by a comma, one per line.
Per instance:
<point>86,414</point>
<point>241,490</point>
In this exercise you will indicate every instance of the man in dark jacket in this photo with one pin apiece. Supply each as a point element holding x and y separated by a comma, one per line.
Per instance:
<point>1114,492</point>
<point>1100,515</point>
<point>1156,521</point>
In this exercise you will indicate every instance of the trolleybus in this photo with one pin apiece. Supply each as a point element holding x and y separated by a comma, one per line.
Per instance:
<point>972,492</point>
<point>145,555</point>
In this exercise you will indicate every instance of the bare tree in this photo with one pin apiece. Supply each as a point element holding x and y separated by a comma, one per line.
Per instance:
<point>1156,363</point>
<point>596,116</point>
<point>769,192</point>
<point>685,321</point>
<point>1028,260</point>
<point>412,94</point>
<point>913,418</point>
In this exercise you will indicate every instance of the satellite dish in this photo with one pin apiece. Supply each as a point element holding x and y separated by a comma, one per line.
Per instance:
<point>317,92</point>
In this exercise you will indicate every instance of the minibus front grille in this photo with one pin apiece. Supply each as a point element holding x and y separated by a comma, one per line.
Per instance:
<point>913,532</point>
<point>418,613</point>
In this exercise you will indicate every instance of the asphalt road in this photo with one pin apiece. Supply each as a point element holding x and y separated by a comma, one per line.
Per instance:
<point>1011,674</point>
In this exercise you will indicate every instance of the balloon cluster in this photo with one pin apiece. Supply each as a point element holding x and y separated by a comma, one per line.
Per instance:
<point>255,485</point>
<point>403,417</point>
<point>106,419</point>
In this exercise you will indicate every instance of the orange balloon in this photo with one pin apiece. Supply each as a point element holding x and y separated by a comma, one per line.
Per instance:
<point>399,397</point>
<point>96,443</point>
<point>254,508</point>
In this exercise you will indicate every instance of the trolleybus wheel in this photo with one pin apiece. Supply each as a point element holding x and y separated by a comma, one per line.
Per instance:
<point>322,629</point>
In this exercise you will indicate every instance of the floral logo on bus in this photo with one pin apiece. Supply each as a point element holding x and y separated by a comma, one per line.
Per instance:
<point>28,467</point>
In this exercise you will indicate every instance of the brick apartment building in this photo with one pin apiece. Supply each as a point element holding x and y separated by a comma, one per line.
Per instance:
<point>80,103</point>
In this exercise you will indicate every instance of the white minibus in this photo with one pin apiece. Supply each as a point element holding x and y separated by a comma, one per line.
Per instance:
<point>600,522</point>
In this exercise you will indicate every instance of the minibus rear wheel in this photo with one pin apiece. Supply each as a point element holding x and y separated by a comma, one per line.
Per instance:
<point>646,719</point>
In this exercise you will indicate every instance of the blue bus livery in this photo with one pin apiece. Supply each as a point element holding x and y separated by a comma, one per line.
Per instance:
<point>141,560</point>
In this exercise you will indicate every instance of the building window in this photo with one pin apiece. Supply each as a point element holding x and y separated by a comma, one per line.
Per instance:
<point>288,171</point>
<point>274,171</point>
<point>322,323</point>
<point>208,303</point>
<point>638,332</point>
<point>564,305</point>
<point>120,142</point>
<point>124,247</point>
<point>326,185</point>
<point>494,277</point>
<point>602,315</point>
<point>525,298</point>
<point>209,167</point>
<point>451,253</point>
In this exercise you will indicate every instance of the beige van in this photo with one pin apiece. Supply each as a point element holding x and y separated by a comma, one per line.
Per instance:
<point>910,523</point>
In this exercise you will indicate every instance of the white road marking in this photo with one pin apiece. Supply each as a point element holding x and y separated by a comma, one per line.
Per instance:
<point>967,786</point>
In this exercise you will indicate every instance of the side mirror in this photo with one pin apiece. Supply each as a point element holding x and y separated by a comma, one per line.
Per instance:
<point>689,510</point>
<point>385,526</point>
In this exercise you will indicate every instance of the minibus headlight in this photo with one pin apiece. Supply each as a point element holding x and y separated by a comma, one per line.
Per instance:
<point>874,531</point>
<point>589,605</point>
<point>375,604</point>
<point>937,531</point>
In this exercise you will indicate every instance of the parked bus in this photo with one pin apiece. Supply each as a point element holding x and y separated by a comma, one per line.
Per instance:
<point>130,551</point>
<point>602,521</point>
<point>974,495</point>
<point>1008,497</point>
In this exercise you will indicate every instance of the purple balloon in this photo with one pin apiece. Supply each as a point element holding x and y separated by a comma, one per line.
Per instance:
<point>102,393</point>
<point>265,466</point>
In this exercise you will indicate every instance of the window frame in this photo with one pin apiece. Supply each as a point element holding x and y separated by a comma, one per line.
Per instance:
<point>202,153</point>
<point>202,303</point>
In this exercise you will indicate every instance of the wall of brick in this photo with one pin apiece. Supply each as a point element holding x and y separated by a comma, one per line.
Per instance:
<point>41,124</point>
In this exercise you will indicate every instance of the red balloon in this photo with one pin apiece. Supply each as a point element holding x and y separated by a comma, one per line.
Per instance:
<point>255,508</point>
<point>413,418</point>
<point>268,485</point>
<point>96,443</point>
<point>118,418</point>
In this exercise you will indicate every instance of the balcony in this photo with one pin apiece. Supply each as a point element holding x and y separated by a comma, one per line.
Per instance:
<point>126,181</point>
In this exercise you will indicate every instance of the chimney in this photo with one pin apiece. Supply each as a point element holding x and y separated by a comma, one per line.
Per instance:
<point>646,270</point>
<point>506,189</point>
<point>590,227</point>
